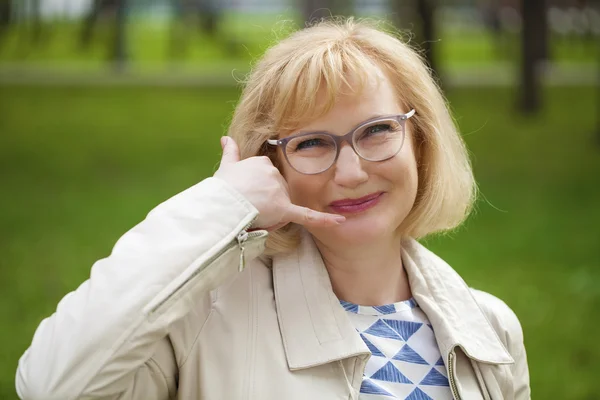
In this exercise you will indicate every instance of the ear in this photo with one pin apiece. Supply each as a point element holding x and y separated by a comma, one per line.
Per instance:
<point>276,156</point>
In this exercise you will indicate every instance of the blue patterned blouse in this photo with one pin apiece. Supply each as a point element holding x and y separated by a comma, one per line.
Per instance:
<point>406,361</point>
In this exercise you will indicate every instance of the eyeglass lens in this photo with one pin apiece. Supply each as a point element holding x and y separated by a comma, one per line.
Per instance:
<point>375,141</point>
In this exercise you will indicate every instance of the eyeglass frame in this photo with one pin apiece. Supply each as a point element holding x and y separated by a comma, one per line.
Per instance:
<point>339,140</point>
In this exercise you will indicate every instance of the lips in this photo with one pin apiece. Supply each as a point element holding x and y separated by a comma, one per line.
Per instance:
<point>352,206</point>
<point>353,202</point>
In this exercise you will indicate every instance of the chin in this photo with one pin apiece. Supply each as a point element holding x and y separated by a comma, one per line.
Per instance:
<point>360,230</point>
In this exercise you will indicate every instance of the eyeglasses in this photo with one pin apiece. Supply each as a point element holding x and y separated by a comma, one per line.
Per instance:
<point>378,139</point>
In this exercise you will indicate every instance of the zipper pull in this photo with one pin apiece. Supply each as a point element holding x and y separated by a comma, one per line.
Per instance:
<point>241,239</point>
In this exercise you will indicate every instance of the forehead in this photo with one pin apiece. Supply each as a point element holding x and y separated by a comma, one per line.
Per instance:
<point>358,102</point>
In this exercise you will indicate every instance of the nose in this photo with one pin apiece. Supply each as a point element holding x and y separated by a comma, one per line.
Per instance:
<point>349,170</point>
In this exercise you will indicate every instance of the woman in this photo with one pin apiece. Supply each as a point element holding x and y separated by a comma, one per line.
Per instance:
<point>293,273</point>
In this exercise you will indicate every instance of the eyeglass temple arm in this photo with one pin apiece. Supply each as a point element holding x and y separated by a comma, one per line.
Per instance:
<point>409,114</point>
<point>273,142</point>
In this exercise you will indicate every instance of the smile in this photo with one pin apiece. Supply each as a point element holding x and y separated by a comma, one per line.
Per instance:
<point>353,206</point>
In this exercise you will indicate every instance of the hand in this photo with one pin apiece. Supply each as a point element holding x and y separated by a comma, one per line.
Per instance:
<point>257,179</point>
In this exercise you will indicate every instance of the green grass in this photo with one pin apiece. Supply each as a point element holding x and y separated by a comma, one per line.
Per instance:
<point>238,40</point>
<point>79,166</point>
<point>243,37</point>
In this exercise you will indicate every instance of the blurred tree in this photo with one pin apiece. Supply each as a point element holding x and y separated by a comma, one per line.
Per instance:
<point>543,33</point>
<point>119,45</point>
<point>313,10</point>
<point>176,44</point>
<point>37,21</point>
<point>5,16</point>
<point>421,13</point>
<point>116,10</point>
<point>533,41</point>
<point>490,10</point>
<point>598,96</point>
<point>426,13</point>
<point>97,8</point>
<point>208,11</point>
<point>203,14</point>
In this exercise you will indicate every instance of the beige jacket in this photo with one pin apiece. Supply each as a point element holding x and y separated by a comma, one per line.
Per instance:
<point>169,315</point>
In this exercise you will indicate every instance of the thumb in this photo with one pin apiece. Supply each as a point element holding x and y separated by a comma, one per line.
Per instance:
<point>231,152</point>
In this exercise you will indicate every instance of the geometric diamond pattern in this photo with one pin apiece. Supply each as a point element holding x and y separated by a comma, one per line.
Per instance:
<point>434,378</point>
<point>409,355</point>
<point>387,309</point>
<point>370,388</point>
<point>390,373</point>
<point>418,394</point>
<point>406,362</point>
<point>374,350</point>
<point>349,306</point>
<point>381,329</point>
<point>404,328</point>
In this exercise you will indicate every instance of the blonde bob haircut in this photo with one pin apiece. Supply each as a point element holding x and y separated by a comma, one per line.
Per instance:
<point>279,97</point>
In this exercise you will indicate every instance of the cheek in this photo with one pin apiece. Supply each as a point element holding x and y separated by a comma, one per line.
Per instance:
<point>305,190</point>
<point>403,175</point>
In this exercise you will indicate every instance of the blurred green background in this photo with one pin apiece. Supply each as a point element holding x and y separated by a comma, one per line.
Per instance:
<point>93,137</point>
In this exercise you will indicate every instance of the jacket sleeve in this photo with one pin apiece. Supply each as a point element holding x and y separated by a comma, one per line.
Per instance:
<point>108,337</point>
<point>509,330</point>
<point>516,348</point>
<point>520,371</point>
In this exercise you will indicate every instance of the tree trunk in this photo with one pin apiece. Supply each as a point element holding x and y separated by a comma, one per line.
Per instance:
<point>5,13</point>
<point>426,13</point>
<point>37,21</point>
<point>176,44</point>
<point>532,43</point>
<point>89,22</point>
<point>598,100</point>
<point>314,10</point>
<point>544,33</point>
<point>5,18</point>
<point>119,50</point>
<point>209,17</point>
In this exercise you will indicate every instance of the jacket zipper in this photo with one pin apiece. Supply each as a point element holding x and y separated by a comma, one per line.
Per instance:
<point>240,240</point>
<point>451,376</point>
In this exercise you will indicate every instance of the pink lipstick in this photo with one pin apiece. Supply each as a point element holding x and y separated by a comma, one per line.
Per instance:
<point>350,206</point>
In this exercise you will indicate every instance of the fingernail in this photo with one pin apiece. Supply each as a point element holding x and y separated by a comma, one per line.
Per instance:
<point>223,141</point>
<point>339,219</point>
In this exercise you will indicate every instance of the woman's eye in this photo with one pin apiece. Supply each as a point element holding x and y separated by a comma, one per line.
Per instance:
<point>305,144</point>
<point>377,129</point>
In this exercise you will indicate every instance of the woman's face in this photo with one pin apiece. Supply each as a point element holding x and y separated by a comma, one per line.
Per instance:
<point>391,184</point>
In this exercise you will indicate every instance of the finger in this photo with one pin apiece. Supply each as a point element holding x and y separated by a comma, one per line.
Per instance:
<point>308,217</point>
<point>231,152</point>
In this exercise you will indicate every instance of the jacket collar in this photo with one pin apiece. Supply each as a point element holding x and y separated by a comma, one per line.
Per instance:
<point>316,330</point>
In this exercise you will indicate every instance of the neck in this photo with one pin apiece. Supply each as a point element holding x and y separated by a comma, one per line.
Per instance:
<point>370,274</point>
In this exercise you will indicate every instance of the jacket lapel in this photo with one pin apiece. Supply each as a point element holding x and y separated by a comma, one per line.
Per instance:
<point>316,330</point>
<point>447,301</point>
<point>313,324</point>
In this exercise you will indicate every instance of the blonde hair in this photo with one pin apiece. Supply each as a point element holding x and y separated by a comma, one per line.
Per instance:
<point>279,95</point>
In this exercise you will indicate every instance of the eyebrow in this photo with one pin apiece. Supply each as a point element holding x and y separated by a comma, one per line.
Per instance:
<point>373,117</point>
